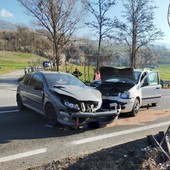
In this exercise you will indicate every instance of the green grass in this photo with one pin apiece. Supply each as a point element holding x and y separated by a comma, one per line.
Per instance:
<point>84,70</point>
<point>11,61</point>
<point>164,70</point>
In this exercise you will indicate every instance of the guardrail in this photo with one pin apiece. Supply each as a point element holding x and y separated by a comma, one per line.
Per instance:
<point>31,69</point>
<point>165,83</point>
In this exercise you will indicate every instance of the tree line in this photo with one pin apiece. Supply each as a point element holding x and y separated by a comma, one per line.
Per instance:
<point>55,22</point>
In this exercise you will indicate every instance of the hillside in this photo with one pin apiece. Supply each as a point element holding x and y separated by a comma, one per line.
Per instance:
<point>10,61</point>
<point>4,25</point>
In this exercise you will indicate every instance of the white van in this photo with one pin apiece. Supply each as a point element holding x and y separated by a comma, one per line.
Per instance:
<point>135,87</point>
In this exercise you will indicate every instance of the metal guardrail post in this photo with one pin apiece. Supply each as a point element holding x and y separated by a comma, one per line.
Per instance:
<point>25,71</point>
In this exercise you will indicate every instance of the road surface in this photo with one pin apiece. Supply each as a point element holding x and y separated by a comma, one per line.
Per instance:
<point>26,140</point>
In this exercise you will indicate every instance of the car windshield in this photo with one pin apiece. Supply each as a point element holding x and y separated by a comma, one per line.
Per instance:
<point>62,79</point>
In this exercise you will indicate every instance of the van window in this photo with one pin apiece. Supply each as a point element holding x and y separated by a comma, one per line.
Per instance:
<point>153,78</point>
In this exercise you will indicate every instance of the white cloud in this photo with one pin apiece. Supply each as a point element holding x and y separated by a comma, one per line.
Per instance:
<point>5,13</point>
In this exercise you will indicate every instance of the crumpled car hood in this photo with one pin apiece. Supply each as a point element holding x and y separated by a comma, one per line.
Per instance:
<point>113,73</point>
<point>79,93</point>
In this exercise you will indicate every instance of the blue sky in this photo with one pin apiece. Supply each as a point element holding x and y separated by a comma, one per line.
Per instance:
<point>11,10</point>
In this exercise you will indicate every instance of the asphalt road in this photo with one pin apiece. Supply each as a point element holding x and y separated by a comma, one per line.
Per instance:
<point>26,140</point>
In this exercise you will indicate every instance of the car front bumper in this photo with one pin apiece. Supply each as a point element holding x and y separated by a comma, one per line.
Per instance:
<point>126,107</point>
<point>77,119</point>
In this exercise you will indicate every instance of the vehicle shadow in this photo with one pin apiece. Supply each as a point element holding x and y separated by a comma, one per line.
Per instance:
<point>12,81</point>
<point>9,108</point>
<point>27,124</point>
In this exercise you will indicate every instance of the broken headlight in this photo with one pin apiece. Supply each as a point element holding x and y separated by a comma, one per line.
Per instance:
<point>71,105</point>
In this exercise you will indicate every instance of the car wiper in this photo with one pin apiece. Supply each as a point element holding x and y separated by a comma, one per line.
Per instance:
<point>59,86</point>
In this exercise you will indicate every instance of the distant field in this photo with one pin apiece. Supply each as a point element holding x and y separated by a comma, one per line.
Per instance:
<point>164,70</point>
<point>10,61</point>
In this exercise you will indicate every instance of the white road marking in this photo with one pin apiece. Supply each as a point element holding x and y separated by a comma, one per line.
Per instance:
<point>165,97</point>
<point>22,155</point>
<point>120,133</point>
<point>9,111</point>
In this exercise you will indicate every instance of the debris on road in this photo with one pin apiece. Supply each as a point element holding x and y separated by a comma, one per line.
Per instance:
<point>162,142</point>
<point>138,154</point>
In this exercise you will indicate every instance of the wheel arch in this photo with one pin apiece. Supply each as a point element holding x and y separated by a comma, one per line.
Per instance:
<point>138,98</point>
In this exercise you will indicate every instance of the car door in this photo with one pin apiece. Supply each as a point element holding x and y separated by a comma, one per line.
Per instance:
<point>36,92</point>
<point>151,88</point>
<point>23,88</point>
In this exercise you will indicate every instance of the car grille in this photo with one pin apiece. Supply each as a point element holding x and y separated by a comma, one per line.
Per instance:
<point>109,104</point>
<point>109,92</point>
<point>88,106</point>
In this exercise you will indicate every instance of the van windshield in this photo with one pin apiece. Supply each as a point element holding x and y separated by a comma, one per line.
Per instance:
<point>137,76</point>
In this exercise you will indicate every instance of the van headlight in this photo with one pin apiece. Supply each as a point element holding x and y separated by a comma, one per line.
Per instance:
<point>125,95</point>
<point>71,105</point>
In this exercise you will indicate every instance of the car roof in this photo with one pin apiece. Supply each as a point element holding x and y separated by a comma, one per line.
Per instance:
<point>49,72</point>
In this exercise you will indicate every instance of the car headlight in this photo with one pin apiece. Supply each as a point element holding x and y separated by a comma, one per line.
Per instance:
<point>125,95</point>
<point>71,105</point>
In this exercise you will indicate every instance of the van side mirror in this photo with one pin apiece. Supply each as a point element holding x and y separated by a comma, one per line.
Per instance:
<point>144,84</point>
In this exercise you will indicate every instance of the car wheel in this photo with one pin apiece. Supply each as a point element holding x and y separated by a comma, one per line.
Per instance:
<point>136,107</point>
<point>154,104</point>
<point>50,114</point>
<point>20,103</point>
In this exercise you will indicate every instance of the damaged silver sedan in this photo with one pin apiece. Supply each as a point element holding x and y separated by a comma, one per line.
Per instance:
<point>63,98</point>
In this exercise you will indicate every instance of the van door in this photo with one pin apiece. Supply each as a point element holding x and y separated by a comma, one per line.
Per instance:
<point>151,88</point>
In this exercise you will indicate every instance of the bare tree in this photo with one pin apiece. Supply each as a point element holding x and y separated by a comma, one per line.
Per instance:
<point>147,57</point>
<point>24,39</point>
<point>139,30</point>
<point>58,18</point>
<point>103,25</point>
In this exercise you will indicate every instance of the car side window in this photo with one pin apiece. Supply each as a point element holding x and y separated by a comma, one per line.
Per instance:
<point>27,79</point>
<point>36,81</point>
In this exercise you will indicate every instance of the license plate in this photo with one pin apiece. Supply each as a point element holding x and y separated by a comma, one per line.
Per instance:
<point>113,104</point>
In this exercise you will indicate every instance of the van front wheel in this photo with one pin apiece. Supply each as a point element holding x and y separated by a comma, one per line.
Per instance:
<point>136,107</point>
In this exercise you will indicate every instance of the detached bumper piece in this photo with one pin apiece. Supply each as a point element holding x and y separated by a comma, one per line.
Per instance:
<point>103,116</point>
<point>97,118</point>
<point>97,114</point>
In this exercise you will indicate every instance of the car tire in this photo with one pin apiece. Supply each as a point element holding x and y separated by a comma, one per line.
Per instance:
<point>94,125</point>
<point>20,103</point>
<point>136,107</point>
<point>50,115</point>
<point>154,104</point>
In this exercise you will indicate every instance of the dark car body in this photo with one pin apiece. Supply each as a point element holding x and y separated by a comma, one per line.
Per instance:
<point>63,98</point>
